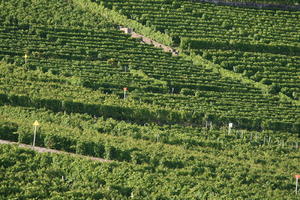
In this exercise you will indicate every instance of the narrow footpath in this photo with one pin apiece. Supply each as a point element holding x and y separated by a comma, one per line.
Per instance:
<point>45,150</point>
<point>149,41</point>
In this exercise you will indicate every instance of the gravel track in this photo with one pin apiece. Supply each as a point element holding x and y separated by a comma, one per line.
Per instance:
<point>46,150</point>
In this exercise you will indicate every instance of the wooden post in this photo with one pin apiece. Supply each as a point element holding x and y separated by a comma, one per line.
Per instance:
<point>125,91</point>
<point>157,137</point>
<point>296,185</point>
<point>297,177</point>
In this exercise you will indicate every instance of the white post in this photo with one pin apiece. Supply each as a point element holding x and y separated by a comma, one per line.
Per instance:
<point>230,125</point>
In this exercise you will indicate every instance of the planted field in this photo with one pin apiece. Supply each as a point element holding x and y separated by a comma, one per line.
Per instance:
<point>168,93</point>
<point>66,64</point>
<point>169,154</point>
<point>272,2</point>
<point>272,37</point>
<point>281,72</point>
<point>208,21</point>
<point>169,174</point>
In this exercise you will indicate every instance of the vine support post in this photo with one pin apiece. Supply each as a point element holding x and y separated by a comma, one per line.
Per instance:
<point>35,124</point>
<point>242,135</point>
<point>26,58</point>
<point>125,89</point>
<point>211,125</point>
<point>297,178</point>
<point>230,125</point>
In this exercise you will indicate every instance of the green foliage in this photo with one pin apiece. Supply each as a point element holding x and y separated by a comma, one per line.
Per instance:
<point>168,134</point>
<point>186,91</point>
<point>272,2</point>
<point>8,130</point>
<point>274,89</point>
<point>117,18</point>
<point>224,30</point>
<point>48,12</point>
<point>239,46</point>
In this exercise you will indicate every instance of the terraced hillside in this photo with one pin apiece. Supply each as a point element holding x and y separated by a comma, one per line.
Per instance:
<point>108,61</point>
<point>66,63</point>
<point>208,21</point>
<point>98,64</point>
<point>271,2</point>
<point>273,34</point>
<point>280,72</point>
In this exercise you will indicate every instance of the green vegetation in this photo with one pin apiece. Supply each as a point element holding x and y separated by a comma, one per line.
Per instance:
<point>261,44</point>
<point>49,13</point>
<point>153,170</point>
<point>189,19</point>
<point>275,2</point>
<point>65,64</point>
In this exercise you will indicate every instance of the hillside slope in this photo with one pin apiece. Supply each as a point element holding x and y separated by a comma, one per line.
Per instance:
<point>248,41</point>
<point>99,62</point>
<point>66,64</point>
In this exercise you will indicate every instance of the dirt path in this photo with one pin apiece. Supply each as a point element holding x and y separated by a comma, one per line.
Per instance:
<point>45,150</point>
<point>149,41</point>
